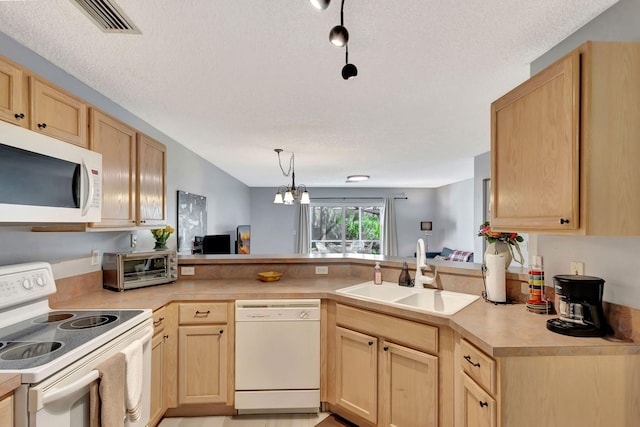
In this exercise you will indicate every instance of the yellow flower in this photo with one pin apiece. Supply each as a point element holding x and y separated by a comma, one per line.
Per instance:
<point>169,229</point>
<point>157,232</point>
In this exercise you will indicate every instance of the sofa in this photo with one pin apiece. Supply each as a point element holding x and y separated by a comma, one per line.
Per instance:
<point>451,255</point>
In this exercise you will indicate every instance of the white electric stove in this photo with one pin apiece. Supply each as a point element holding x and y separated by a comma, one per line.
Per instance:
<point>56,352</point>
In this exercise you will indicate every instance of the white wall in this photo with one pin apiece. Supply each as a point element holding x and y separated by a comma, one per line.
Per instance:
<point>481,171</point>
<point>228,199</point>
<point>611,258</point>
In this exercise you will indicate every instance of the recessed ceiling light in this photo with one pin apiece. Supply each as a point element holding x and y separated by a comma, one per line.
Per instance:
<point>357,178</point>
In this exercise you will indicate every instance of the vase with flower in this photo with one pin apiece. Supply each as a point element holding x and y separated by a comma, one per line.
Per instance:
<point>161,235</point>
<point>504,243</point>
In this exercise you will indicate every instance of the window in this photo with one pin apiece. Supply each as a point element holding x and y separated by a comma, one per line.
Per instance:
<point>345,228</point>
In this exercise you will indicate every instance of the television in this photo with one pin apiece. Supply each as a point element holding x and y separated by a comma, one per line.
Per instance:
<point>216,244</point>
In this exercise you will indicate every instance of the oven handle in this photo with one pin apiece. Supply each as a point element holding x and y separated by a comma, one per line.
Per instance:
<point>62,392</point>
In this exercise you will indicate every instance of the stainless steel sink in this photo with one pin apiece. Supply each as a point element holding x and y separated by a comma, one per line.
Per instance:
<point>427,300</point>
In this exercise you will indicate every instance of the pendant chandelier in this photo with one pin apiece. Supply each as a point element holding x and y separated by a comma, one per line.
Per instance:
<point>289,195</point>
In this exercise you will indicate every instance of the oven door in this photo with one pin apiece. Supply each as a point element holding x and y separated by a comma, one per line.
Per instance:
<point>63,398</point>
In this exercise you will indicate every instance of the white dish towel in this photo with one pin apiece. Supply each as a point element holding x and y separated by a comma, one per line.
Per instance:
<point>133,379</point>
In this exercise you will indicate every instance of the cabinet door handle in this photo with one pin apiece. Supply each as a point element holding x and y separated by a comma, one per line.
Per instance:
<point>221,331</point>
<point>385,348</point>
<point>482,404</point>
<point>42,125</point>
<point>468,359</point>
<point>370,343</point>
<point>165,336</point>
<point>201,313</point>
<point>564,221</point>
<point>157,322</point>
<point>19,116</point>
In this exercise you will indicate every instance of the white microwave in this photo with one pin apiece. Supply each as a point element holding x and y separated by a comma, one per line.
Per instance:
<point>45,180</point>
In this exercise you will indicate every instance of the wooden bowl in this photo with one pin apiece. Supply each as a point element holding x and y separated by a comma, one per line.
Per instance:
<point>269,276</point>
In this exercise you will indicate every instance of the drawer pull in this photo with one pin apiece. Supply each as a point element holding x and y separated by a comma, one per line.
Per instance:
<point>370,343</point>
<point>157,322</point>
<point>202,313</point>
<point>482,404</point>
<point>468,359</point>
<point>563,221</point>
<point>19,116</point>
<point>42,125</point>
<point>165,337</point>
<point>385,348</point>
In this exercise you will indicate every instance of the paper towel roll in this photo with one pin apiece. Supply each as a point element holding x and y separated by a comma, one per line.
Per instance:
<point>496,278</point>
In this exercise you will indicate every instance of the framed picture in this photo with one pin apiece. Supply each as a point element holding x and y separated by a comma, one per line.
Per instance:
<point>243,240</point>
<point>192,219</point>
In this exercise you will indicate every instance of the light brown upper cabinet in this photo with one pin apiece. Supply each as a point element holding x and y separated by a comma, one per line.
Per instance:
<point>12,94</point>
<point>151,194</point>
<point>117,144</point>
<point>564,146</point>
<point>133,170</point>
<point>57,114</point>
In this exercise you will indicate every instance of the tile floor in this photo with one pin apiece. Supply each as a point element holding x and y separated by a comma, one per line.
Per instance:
<point>280,420</point>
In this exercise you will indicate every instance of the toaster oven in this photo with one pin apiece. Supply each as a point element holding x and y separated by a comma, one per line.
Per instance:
<point>129,270</point>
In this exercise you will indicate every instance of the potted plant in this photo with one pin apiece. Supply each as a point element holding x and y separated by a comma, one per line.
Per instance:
<point>502,243</point>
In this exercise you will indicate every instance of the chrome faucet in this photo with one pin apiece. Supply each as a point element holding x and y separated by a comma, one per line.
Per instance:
<point>421,262</point>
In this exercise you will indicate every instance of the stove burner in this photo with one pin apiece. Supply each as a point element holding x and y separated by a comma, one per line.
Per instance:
<point>89,322</point>
<point>29,350</point>
<point>53,317</point>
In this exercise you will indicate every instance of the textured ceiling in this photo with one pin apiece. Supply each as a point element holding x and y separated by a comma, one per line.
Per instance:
<point>234,79</point>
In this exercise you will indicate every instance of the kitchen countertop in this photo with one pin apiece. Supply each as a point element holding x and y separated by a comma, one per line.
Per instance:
<point>499,330</point>
<point>8,383</point>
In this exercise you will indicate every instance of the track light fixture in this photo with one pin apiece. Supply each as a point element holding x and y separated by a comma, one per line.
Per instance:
<point>339,37</point>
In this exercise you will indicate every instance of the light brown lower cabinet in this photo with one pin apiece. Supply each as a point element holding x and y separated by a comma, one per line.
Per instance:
<point>158,403</point>
<point>379,379</point>
<point>203,364</point>
<point>205,353</point>
<point>6,410</point>
<point>479,407</point>
<point>546,390</point>
<point>357,373</point>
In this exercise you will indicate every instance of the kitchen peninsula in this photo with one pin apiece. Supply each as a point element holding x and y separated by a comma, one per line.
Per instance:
<point>484,363</point>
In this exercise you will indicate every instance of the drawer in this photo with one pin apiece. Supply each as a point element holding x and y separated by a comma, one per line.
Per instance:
<point>400,331</point>
<point>480,409</point>
<point>202,313</point>
<point>478,365</point>
<point>159,320</point>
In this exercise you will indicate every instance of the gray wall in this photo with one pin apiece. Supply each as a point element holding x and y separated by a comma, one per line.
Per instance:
<point>611,258</point>
<point>449,207</point>
<point>228,199</point>
<point>481,171</point>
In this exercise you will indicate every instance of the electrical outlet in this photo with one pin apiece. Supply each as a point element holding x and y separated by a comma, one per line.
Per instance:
<point>322,269</point>
<point>187,271</point>
<point>577,267</point>
<point>134,240</point>
<point>95,257</point>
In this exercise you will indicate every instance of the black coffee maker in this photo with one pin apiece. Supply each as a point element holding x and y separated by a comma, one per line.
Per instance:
<point>580,306</point>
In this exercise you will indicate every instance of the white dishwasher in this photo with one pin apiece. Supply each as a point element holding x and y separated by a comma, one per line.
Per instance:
<point>277,356</point>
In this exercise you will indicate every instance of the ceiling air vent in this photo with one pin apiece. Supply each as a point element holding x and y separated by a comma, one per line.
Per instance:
<point>107,16</point>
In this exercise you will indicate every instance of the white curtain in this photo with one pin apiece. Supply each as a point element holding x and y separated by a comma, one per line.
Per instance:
<point>389,233</point>
<point>302,229</point>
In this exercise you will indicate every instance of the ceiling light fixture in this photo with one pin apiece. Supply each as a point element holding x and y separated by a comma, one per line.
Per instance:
<point>320,4</point>
<point>357,178</point>
<point>289,195</point>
